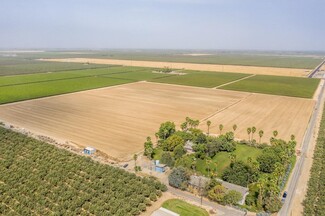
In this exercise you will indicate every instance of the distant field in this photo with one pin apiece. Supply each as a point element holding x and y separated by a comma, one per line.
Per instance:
<point>191,66</point>
<point>277,85</point>
<point>201,79</point>
<point>281,60</point>
<point>30,86</point>
<point>24,87</point>
<point>14,66</point>
<point>44,89</point>
<point>183,208</point>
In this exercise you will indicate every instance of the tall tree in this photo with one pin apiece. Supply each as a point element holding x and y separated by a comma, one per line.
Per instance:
<point>260,134</point>
<point>148,148</point>
<point>208,124</point>
<point>253,131</point>
<point>275,133</point>
<point>234,127</point>
<point>292,137</point>
<point>166,130</point>
<point>249,130</point>
<point>261,184</point>
<point>135,157</point>
<point>220,128</point>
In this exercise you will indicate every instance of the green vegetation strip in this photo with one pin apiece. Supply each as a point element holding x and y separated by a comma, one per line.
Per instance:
<point>183,208</point>
<point>276,85</point>
<point>15,66</point>
<point>40,179</point>
<point>314,203</point>
<point>16,93</point>
<point>201,79</point>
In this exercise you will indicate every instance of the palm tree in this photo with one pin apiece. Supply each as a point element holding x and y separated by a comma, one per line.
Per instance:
<point>220,128</point>
<point>275,133</point>
<point>135,157</point>
<point>249,130</point>
<point>234,127</point>
<point>184,126</point>
<point>208,124</point>
<point>261,184</point>
<point>292,137</point>
<point>261,133</point>
<point>253,131</point>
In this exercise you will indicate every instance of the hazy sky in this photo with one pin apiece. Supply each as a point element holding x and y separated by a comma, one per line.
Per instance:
<point>164,24</point>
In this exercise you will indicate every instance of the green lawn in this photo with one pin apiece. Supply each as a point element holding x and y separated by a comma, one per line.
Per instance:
<point>183,208</point>
<point>221,161</point>
<point>201,78</point>
<point>277,85</point>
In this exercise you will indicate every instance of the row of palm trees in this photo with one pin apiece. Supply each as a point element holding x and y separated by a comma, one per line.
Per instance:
<point>250,131</point>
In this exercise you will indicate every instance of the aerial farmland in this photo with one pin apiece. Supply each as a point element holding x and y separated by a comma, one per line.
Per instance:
<point>162,108</point>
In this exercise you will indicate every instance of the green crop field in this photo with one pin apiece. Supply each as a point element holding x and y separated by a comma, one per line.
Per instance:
<point>139,75</point>
<point>22,92</point>
<point>31,86</point>
<point>183,208</point>
<point>41,179</point>
<point>201,79</point>
<point>14,66</point>
<point>276,85</point>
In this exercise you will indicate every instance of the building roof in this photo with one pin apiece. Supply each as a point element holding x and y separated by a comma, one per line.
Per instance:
<point>240,189</point>
<point>164,212</point>
<point>90,148</point>
<point>161,165</point>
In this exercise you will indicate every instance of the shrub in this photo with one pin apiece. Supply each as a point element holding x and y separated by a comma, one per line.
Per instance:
<point>179,177</point>
<point>232,197</point>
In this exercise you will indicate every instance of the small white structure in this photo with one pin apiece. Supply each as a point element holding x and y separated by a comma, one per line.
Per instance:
<point>164,212</point>
<point>89,150</point>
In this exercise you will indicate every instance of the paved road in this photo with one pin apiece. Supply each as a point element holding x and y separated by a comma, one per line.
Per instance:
<point>220,209</point>
<point>292,185</point>
<point>312,74</point>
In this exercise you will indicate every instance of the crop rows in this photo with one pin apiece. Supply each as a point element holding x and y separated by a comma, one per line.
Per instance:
<point>40,179</point>
<point>314,203</point>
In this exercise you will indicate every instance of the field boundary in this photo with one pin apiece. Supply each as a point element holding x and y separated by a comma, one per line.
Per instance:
<point>227,107</point>
<point>247,77</point>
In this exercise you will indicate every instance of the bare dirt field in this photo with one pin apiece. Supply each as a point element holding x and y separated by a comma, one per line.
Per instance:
<point>117,120</point>
<point>287,115</point>
<point>190,66</point>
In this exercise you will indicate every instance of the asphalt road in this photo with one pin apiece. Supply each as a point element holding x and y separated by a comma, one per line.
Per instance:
<point>292,185</point>
<point>312,74</point>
